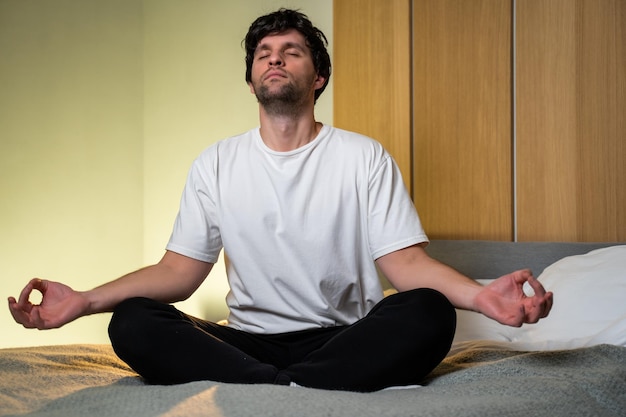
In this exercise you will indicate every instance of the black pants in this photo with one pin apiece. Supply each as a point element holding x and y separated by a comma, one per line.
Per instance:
<point>399,342</point>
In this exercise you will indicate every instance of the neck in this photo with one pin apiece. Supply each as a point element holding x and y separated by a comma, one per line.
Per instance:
<point>285,133</point>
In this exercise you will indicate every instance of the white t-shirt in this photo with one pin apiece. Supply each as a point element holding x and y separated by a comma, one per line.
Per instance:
<point>301,228</point>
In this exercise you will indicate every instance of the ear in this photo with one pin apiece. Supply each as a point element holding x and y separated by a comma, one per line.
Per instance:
<point>251,88</point>
<point>319,82</point>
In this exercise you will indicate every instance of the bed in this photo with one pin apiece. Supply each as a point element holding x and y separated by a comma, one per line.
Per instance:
<point>572,364</point>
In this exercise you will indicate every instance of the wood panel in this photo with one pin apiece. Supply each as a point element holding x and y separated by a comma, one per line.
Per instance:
<point>371,71</point>
<point>571,129</point>
<point>462,118</point>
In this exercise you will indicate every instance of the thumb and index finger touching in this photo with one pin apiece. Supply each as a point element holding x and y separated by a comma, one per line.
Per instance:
<point>22,308</point>
<point>539,302</point>
<point>24,297</point>
<point>526,276</point>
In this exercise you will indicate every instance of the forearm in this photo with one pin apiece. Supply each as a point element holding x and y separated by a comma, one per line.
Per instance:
<point>503,299</point>
<point>459,289</point>
<point>172,279</point>
<point>412,268</point>
<point>147,282</point>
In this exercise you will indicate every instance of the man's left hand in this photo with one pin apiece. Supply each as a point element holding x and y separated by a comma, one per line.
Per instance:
<point>504,299</point>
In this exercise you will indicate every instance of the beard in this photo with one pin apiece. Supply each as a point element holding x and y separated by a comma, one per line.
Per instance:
<point>287,101</point>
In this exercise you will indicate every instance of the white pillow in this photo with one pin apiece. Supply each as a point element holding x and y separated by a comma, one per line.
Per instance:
<point>589,306</point>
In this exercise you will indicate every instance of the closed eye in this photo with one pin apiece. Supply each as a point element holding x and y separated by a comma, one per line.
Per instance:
<point>262,52</point>
<point>293,52</point>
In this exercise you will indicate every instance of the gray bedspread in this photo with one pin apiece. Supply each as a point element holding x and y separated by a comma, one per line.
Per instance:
<point>476,379</point>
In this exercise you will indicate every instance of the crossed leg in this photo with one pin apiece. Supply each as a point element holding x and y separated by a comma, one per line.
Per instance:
<point>399,342</point>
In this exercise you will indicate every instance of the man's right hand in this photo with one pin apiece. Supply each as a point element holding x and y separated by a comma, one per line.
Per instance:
<point>59,305</point>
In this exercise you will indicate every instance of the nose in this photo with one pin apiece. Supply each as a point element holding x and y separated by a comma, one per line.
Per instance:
<point>276,59</point>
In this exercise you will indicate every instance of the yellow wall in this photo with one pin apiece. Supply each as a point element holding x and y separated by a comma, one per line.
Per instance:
<point>103,106</point>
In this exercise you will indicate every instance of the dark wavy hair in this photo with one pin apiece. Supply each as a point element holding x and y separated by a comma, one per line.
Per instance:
<point>281,21</point>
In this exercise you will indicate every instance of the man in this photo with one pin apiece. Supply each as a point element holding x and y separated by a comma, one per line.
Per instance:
<point>305,213</point>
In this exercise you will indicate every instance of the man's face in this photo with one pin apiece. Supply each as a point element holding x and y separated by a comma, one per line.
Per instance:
<point>283,74</point>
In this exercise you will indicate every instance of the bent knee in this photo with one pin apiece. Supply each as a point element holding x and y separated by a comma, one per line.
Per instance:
<point>128,311</point>
<point>426,299</point>
<point>132,319</point>
<point>440,307</point>
<point>434,312</point>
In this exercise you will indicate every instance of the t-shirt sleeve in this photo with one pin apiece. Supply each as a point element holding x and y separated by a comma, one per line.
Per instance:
<point>393,222</point>
<point>196,231</point>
